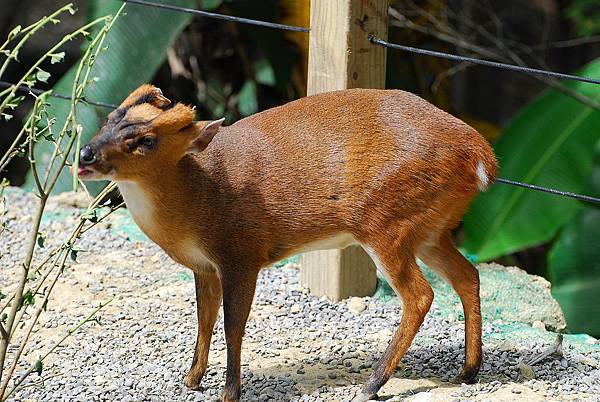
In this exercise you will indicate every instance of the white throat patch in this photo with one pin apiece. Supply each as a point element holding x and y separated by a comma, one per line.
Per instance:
<point>139,203</point>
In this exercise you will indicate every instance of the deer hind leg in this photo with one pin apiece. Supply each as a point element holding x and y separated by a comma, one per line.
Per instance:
<point>397,262</point>
<point>442,256</point>
<point>208,300</point>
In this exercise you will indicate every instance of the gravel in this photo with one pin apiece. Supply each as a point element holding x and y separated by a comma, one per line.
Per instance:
<point>297,346</point>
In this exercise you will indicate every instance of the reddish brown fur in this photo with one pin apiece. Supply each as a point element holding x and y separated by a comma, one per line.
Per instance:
<point>386,167</point>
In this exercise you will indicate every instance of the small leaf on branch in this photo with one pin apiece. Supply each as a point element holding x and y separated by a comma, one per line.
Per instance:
<point>39,366</point>
<point>7,116</point>
<point>57,57</point>
<point>14,54</point>
<point>2,296</point>
<point>91,216</point>
<point>15,102</point>
<point>15,31</point>
<point>28,298</point>
<point>20,152</point>
<point>74,255</point>
<point>41,239</point>
<point>3,318</point>
<point>42,75</point>
<point>30,80</point>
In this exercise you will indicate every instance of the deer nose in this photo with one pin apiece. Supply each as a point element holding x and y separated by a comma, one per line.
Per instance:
<point>87,156</point>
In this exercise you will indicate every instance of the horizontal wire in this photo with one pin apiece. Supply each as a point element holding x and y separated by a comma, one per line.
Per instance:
<point>580,197</point>
<point>35,91</point>
<point>218,16</point>
<point>488,63</point>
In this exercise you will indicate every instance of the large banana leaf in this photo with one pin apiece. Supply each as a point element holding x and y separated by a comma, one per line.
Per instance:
<point>574,266</point>
<point>136,48</point>
<point>549,143</point>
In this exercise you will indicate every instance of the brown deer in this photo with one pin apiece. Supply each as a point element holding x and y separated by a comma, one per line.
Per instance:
<point>381,168</point>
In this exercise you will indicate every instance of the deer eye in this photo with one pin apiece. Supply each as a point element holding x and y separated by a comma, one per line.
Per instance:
<point>148,142</point>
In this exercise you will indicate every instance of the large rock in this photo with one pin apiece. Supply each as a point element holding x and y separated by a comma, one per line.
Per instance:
<point>508,294</point>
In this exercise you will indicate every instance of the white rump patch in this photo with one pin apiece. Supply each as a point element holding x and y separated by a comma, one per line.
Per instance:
<point>483,179</point>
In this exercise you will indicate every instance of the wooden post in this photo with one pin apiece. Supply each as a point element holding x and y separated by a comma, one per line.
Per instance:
<point>341,56</point>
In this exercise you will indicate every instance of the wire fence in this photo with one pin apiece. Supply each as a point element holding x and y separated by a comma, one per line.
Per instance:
<point>37,92</point>
<point>376,41</point>
<point>482,62</point>
<point>580,197</point>
<point>217,16</point>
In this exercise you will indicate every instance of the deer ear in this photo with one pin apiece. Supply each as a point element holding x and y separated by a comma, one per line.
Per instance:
<point>172,120</point>
<point>205,134</point>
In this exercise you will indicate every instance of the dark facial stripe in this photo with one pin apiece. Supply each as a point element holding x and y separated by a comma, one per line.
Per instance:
<point>118,115</point>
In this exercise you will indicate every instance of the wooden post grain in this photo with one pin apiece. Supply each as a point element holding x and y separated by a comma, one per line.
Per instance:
<point>340,57</point>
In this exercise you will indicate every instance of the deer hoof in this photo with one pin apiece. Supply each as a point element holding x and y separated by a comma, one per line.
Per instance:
<point>362,397</point>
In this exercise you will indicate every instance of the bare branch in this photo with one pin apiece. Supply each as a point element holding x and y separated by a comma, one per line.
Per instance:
<point>503,52</point>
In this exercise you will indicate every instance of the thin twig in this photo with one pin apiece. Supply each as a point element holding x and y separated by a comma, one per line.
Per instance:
<point>8,156</point>
<point>27,334</point>
<point>86,64</point>
<point>56,345</point>
<point>32,141</point>
<point>29,32</point>
<point>10,92</point>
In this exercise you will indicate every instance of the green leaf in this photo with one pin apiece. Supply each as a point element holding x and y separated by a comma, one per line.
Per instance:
<point>39,366</point>
<point>20,152</point>
<point>574,266</point>
<point>42,75</point>
<point>273,44</point>
<point>583,15</point>
<point>211,4</point>
<point>13,33</point>
<point>30,80</point>
<point>73,255</point>
<point>2,296</point>
<point>136,49</point>
<point>28,298</point>
<point>549,143</point>
<point>91,215</point>
<point>247,102</point>
<point>264,72</point>
<point>41,239</point>
<point>15,102</point>
<point>57,57</point>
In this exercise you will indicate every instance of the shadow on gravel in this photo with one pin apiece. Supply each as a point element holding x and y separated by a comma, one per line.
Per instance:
<point>422,369</point>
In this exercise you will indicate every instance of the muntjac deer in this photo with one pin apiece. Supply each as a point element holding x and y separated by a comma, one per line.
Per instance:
<point>381,168</point>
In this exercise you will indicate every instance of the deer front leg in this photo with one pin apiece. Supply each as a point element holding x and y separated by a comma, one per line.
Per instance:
<point>208,299</point>
<point>238,292</point>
